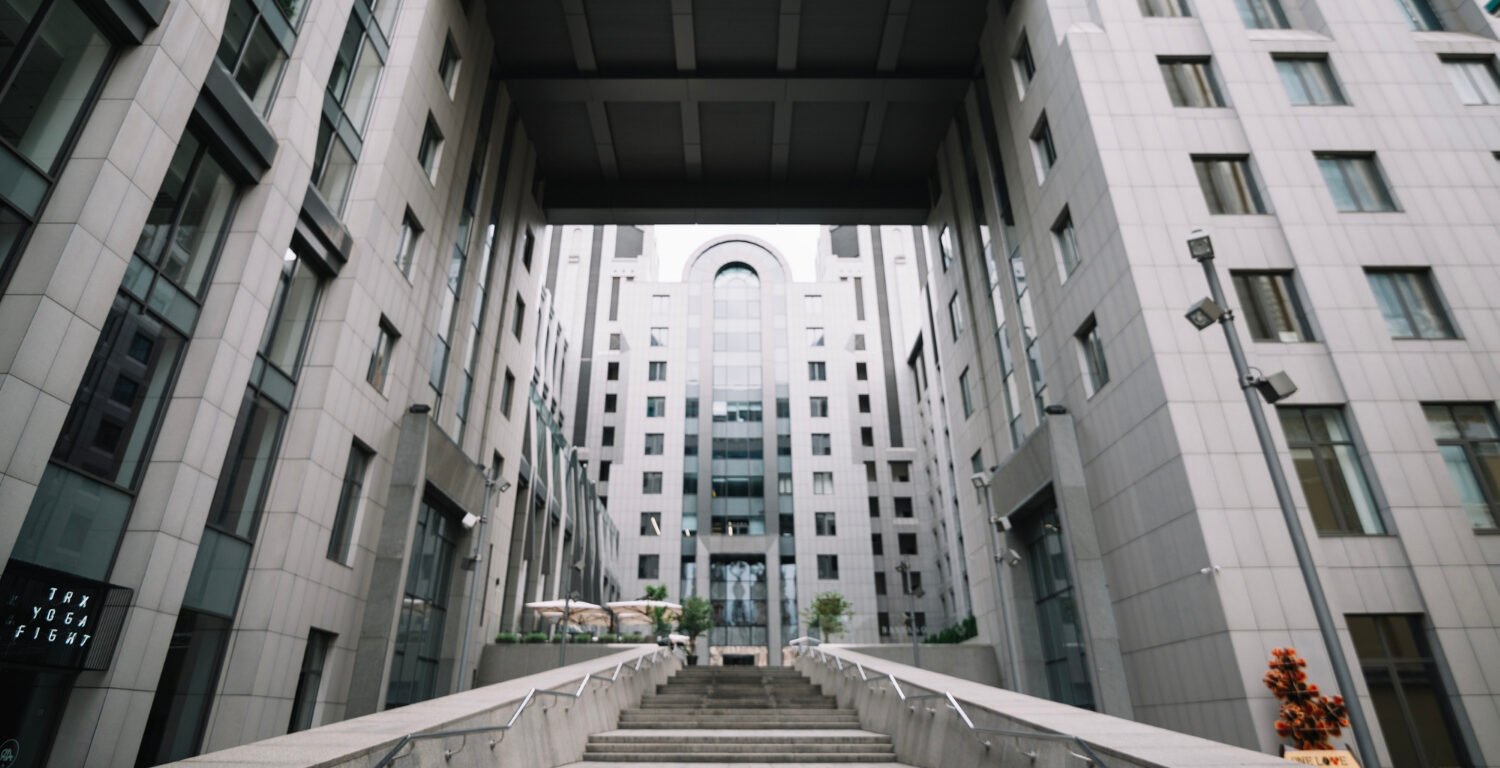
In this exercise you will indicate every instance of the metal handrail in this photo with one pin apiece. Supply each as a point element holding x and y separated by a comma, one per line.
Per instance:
<point>531,696</point>
<point>1089,756</point>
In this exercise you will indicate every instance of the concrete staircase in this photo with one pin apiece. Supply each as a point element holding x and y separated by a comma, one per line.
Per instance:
<point>719,715</point>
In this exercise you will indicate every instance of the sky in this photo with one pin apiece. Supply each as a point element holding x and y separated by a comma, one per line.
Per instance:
<point>799,244</point>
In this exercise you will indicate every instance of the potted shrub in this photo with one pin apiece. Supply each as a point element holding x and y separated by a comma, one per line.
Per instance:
<point>507,638</point>
<point>697,618</point>
<point>535,637</point>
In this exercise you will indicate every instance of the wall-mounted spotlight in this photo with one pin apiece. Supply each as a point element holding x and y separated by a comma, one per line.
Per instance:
<point>1200,245</point>
<point>504,486</point>
<point>1277,386</point>
<point>469,521</point>
<point>1205,313</point>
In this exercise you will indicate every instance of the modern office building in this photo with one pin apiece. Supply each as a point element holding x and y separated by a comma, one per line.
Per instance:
<point>278,317</point>
<point>272,359</point>
<point>749,432</point>
<point>1343,156</point>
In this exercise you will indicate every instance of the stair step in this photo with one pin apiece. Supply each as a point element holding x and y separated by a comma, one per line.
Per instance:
<point>735,757</point>
<point>809,747</point>
<point>848,737</point>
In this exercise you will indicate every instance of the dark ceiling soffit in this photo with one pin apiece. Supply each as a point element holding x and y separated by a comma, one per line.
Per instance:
<point>796,89</point>
<point>586,202</point>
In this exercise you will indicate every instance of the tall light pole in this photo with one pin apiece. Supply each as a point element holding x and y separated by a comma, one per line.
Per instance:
<point>1275,387</point>
<point>981,481</point>
<point>472,563</point>
<point>904,568</point>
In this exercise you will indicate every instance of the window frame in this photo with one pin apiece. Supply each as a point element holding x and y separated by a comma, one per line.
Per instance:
<point>1428,285</point>
<point>1297,64</point>
<point>1488,483</point>
<point>1095,366</point>
<point>1257,321</point>
<point>1247,180</point>
<point>1345,164</point>
<point>1345,522</point>
<point>1203,74</point>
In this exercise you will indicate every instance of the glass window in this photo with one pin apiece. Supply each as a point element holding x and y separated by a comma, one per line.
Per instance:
<point>1091,350</point>
<point>44,93</point>
<point>880,589</point>
<point>822,444</point>
<point>864,403</point>
<point>1474,79</point>
<point>507,391</point>
<point>346,513</point>
<point>448,66</point>
<point>253,53</point>
<point>611,403</point>
<point>351,92</point>
<point>828,566</point>
<point>817,371</point>
<point>818,407</point>
<point>1411,703</point>
<point>1328,465</point>
<point>380,356</point>
<point>656,407</point>
<point>1420,15</point>
<point>867,436</point>
<point>903,506</point>
<point>1309,81</point>
<point>1043,147</point>
<point>518,318</point>
<point>1410,302</point>
<point>861,372</point>
<point>824,523</point>
<point>877,543</point>
<point>945,245</point>
<point>655,442</point>
<point>822,483</point>
<point>966,392</point>
<point>1191,82</point>
<point>906,543</point>
<point>248,468</point>
<point>292,309</point>
<point>614,342</point>
<point>648,567</point>
<point>424,611</point>
<point>1165,8</point>
<point>955,316</point>
<point>812,304</point>
<point>1469,442</point>
<point>1025,63</point>
<point>658,337</point>
<point>607,437</point>
<point>1263,14</point>
<point>1272,309</point>
<point>188,219</point>
<point>650,523</point>
<point>661,305</point>
<point>310,680</point>
<point>1355,183</point>
<point>1063,651</point>
<point>431,149</point>
<point>814,337</point>
<point>1066,240</point>
<point>874,504</point>
<point>900,471</point>
<point>185,690</point>
<point>406,249</point>
<point>651,482</point>
<point>612,371</point>
<point>657,371</point>
<point>1228,185</point>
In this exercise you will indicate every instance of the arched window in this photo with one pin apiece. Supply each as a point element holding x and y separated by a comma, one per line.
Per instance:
<point>736,275</point>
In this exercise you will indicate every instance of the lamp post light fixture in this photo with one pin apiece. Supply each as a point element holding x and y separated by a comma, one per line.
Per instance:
<point>904,568</point>
<point>1000,525</point>
<point>1273,388</point>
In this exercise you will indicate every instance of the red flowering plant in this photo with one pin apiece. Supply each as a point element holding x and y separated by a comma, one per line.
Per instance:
<point>1308,718</point>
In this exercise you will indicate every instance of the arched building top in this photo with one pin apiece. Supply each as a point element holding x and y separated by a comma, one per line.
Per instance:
<point>751,252</point>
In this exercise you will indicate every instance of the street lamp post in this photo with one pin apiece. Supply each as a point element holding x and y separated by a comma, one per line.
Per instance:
<point>911,613</point>
<point>981,481</point>
<point>1273,388</point>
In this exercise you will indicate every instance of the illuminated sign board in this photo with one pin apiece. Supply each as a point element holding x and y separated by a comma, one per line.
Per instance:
<point>50,618</point>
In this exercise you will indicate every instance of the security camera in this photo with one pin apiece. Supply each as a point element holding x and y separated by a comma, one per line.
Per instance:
<point>981,480</point>
<point>470,520</point>
<point>1277,386</point>
<point>1003,521</point>
<point>1013,558</point>
<point>1205,313</point>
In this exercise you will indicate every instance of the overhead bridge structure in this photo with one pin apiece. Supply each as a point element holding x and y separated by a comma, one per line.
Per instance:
<point>737,111</point>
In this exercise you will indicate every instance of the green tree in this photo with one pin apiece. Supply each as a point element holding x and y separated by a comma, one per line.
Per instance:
<point>827,613</point>
<point>658,615</point>
<point>697,618</point>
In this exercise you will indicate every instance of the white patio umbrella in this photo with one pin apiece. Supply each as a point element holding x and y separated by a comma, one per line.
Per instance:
<point>805,640</point>
<point>670,611</point>
<point>579,612</point>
